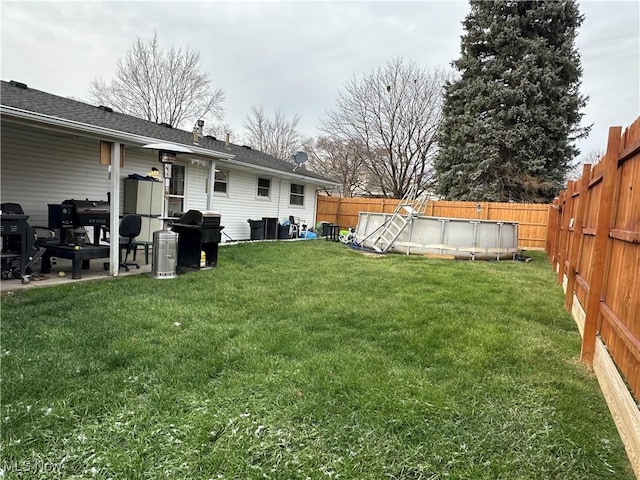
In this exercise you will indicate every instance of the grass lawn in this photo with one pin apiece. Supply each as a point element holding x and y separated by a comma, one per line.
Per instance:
<point>298,360</point>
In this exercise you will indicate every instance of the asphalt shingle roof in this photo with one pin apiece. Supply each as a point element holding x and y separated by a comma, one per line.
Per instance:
<point>40,102</point>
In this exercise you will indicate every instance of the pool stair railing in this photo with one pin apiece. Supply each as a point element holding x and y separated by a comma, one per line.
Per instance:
<point>410,207</point>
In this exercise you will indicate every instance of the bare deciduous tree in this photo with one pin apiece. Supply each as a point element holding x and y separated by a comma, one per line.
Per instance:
<point>593,157</point>
<point>343,161</point>
<point>161,86</point>
<point>394,113</point>
<point>276,136</point>
<point>221,130</point>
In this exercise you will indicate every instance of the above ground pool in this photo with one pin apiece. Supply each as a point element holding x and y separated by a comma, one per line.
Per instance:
<point>457,237</point>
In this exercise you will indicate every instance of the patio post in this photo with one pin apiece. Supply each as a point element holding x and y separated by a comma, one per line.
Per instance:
<point>212,180</point>
<point>114,210</point>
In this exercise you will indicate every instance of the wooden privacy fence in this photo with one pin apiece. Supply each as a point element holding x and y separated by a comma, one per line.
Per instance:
<point>532,218</point>
<point>594,243</point>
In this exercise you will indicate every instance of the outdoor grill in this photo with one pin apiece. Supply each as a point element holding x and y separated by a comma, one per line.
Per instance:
<point>76,214</point>
<point>197,232</point>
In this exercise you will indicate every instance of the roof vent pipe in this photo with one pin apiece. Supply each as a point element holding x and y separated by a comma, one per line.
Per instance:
<point>197,131</point>
<point>226,145</point>
<point>18,84</point>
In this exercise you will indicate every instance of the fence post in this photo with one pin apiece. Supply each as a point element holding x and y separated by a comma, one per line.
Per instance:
<point>338,211</point>
<point>576,244</point>
<point>564,234</point>
<point>556,239</point>
<point>601,243</point>
<point>552,224</point>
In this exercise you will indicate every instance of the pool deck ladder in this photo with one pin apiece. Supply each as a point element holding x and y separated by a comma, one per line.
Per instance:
<point>410,207</point>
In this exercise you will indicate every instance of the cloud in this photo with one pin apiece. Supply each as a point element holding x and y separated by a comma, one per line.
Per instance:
<point>295,56</point>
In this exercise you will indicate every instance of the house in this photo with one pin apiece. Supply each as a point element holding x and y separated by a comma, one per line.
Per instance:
<point>55,148</point>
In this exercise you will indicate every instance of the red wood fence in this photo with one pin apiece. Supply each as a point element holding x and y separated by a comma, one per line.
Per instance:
<point>594,242</point>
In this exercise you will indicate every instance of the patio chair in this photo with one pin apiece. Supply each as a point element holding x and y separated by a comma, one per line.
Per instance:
<point>129,229</point>
<point>294,227</point>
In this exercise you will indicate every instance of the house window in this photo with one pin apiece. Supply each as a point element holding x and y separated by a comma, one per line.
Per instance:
<point>221,184</point>
<point>176,191</point>
<point>296,197</point>
<point>264,187</point>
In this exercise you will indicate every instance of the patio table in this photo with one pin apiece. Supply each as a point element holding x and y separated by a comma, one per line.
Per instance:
<point>79,258</point>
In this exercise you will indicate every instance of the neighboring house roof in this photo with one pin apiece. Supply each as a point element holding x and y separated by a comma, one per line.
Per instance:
<point>15,96</point>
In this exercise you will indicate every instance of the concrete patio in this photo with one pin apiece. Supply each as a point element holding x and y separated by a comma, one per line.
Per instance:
<point>95,272</point>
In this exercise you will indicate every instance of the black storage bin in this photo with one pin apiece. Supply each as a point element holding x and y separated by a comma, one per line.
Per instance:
<point>211,237</point>
<point>283,232</point>
<point>257,229</point>
<point>270,228</point>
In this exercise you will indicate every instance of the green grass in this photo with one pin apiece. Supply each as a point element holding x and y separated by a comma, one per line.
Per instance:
<point>298,360</point>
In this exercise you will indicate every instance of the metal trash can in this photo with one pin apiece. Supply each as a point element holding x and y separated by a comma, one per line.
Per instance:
<point>165,253</point>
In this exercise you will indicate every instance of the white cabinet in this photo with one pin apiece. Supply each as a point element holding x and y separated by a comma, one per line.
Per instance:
<point>149,225</point>
<point>143,197</point>
<point>146,198</point>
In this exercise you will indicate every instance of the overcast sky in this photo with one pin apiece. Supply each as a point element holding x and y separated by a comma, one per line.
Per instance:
<point>296,56</point>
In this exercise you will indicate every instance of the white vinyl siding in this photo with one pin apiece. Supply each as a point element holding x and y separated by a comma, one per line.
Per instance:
<point>241,203</point>
<point>41,167</point>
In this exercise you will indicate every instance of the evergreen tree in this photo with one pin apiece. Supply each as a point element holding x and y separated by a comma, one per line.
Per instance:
<point>511,119</point>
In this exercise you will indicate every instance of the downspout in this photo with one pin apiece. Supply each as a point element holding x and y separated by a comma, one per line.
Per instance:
<point>212,179</point>
<point>279,198</point>
<point>114,210</point>
<point>315,207</point>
